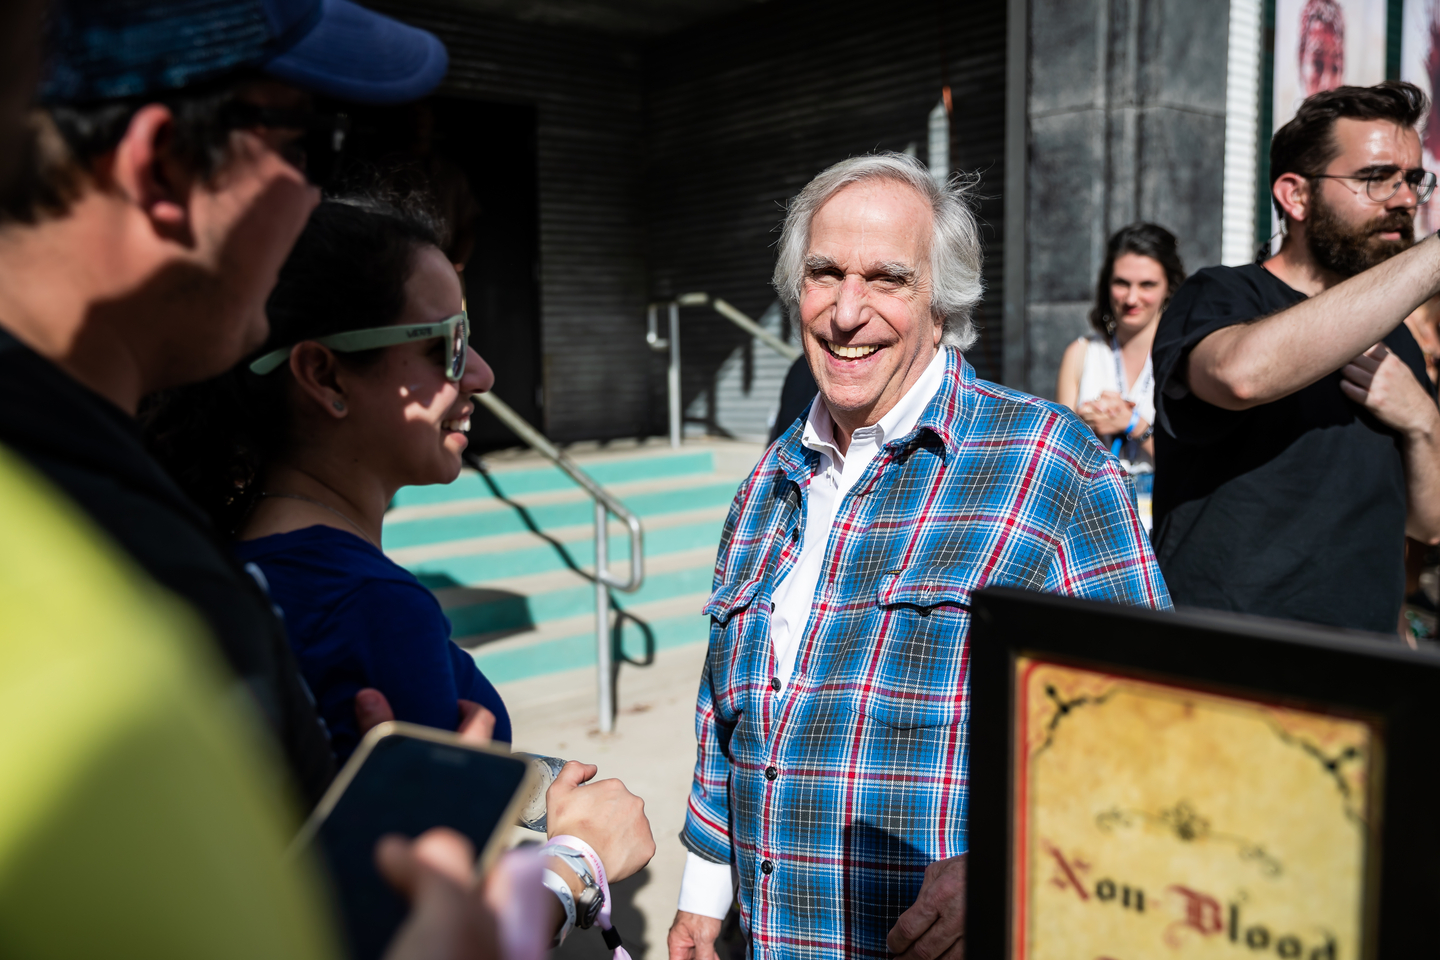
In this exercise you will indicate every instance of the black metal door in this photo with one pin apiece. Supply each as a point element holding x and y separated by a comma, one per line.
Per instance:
<point>494,145</point>
<point>477,161</point>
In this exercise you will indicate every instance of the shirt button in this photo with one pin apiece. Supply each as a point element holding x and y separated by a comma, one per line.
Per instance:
<point>771,773</point>
<point>775,683</point>
<point>766,867</point>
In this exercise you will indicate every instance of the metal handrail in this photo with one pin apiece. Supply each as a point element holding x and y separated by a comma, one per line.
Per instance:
<point>726,310</point>
<point>604,580</point>
<point>672,374</point>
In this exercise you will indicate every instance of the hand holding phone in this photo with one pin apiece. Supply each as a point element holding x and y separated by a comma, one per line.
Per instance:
<point>406,779</point>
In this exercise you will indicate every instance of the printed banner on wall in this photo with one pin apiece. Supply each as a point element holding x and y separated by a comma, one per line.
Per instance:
<point>1420,64</point>
<point>1324,44</point>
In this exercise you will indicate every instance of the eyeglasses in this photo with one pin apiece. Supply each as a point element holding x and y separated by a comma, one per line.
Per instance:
<point>316,153</point>
<point>1380,188</point>
<point>455,331</point>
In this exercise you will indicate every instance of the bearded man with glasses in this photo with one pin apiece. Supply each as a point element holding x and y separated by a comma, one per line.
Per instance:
<point>1299,439</point>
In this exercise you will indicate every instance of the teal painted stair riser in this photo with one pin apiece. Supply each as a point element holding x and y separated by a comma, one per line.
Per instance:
<point>476,568</point>
<point>422,532</point>
<point>569,653</point>
<point>517,611</point>
<point>471,485</point>
<point>525,599</point>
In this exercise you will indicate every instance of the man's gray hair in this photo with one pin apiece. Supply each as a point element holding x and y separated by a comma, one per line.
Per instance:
<point>955,256</point>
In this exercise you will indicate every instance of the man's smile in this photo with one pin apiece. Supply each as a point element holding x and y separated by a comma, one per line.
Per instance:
<point>856,352</point>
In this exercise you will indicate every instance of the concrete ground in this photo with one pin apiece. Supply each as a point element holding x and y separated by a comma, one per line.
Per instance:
<point>652,750</point>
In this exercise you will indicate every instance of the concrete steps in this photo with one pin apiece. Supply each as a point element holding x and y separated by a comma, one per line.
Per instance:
<point>510,553</point>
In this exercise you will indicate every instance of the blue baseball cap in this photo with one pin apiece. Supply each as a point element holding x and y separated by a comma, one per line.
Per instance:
<point>111,49</point>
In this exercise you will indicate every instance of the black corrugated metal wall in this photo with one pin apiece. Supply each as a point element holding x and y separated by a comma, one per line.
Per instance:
<point>741,113</point>
<point>664,166</point>
<point>586,89</point>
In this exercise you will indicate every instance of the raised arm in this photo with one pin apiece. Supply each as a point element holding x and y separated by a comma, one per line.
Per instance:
<point>1382,383</point>
<point>1248,364</point>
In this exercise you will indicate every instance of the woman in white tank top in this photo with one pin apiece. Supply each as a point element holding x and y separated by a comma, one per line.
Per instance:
<point>1106,376</point>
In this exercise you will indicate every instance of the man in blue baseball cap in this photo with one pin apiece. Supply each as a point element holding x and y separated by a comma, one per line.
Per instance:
<point>175,158</point>
<point>160,186</point>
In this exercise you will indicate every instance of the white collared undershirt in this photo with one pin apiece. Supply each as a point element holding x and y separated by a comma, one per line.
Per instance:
<point>708,888</point>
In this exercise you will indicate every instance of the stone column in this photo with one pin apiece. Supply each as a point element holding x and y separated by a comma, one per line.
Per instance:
<point>1124,121</point>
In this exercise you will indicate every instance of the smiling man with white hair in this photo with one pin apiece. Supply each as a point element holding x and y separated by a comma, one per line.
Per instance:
<point>832,717</point>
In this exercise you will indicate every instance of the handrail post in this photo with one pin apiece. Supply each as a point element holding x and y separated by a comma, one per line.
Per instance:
<point>605,674</point>
<point>672,376</point>
<point>604,579</point>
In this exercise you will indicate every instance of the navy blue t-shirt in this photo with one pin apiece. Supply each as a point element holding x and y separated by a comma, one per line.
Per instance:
<point>358,619</point>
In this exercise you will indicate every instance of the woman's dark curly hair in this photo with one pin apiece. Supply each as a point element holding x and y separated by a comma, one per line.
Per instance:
<point>347,271</point>
<point>1146,240</point>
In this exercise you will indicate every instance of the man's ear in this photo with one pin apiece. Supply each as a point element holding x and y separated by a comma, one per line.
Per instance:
<point>145,169</point>
<point>1292,192</point>
<point>317,372</point>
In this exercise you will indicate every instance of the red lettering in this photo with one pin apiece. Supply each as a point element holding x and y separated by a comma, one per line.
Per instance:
<point>1066,877</point>
<point>1202,914</point>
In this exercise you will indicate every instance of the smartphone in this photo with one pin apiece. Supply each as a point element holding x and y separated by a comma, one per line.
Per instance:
<point>406,779</point>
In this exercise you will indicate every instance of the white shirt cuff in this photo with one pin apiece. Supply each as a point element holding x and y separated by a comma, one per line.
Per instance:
<point>706,888</point>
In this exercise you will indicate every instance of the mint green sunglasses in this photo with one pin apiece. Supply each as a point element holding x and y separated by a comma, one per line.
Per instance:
<point>455,331</point>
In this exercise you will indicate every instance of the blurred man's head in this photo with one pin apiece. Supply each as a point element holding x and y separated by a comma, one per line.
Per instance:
<point>1346,175</point>
<point>879,265</point>
<point>171,165</point>
<point>19,72</point>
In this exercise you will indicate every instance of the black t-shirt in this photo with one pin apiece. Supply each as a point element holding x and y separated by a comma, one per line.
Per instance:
<point>1292,509</point>
<point>795,397</point>
<point>93,451</point>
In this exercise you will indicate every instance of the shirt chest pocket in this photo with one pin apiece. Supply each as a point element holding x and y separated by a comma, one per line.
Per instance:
<point>735,616</point>
<point>732,598</point>
<point>923,613</point>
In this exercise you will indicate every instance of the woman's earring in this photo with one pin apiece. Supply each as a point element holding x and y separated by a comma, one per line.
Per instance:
<point>339,407</point>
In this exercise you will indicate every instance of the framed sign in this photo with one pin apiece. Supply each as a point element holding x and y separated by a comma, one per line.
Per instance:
<point>1197,785</point>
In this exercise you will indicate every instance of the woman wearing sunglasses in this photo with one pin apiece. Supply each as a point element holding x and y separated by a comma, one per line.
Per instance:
<point>363,387</point>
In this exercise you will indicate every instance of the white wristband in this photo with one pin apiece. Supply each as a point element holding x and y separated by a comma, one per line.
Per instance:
<point>561,889</point>
<point>572,844</point>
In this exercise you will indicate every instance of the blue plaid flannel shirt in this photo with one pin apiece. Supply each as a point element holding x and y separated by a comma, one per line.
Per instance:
<point>832,796</point>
